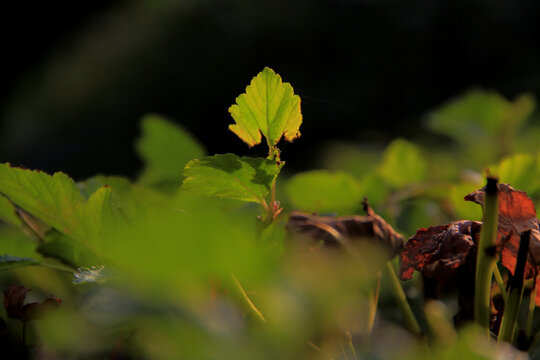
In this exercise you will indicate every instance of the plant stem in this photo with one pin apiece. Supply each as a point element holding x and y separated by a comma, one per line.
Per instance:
<point>250,303</point>
<point>486,261</point>
<point>530,314</point>
<point>500,284</point>
<point>401,299</point>
<point>373,301</point>
<point>511,308</point>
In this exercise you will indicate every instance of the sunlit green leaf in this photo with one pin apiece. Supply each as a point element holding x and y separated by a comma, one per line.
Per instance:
<point>231,176</point>
<point>165,148</point>
<point>324,191</point>
<point>268,106</point>
<point>403,164</point>
<point>56,201</point>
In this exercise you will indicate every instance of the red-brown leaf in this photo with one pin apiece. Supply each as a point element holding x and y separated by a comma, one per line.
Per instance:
<point>14,299</point>
<point>439,250</point>
<point>516,215</point>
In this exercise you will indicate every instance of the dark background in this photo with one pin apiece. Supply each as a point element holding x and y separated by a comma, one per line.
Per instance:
<point>78,76</point>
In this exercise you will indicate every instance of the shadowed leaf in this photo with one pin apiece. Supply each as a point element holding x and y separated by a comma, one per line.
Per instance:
<point>231,176</point>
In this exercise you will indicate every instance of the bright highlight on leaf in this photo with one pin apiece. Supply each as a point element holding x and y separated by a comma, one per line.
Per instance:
<point>231,176</point>
<point>268,106</point>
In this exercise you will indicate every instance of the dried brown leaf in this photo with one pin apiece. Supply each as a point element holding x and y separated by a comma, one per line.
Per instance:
<point>351,228</point>
<point>439,250</point>
<point>14,298</point>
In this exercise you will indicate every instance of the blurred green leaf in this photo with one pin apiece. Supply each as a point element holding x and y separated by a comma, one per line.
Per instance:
<point>464,210</point>
<point>186,249</point>
<point>324,191</point>
<point>403,164</point>
<point>56,201</point>
<point>355,160</point>
<point>231,176</point>
<point>268,106</point>
<point>521,171</point>
<point>165,148</point>
<point>483,123</point>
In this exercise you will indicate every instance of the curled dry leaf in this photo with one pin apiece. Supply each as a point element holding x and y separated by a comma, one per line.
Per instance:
<point>439,250</point>
<point>328,229</point>
<point>14,303</point>
<point>516,215</point>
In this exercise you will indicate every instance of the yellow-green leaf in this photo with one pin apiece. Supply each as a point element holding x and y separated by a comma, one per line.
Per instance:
<point>268,106</point>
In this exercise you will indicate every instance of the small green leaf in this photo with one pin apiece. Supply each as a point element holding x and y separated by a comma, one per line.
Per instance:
<point>56,201</point>
<point>268,106</point>
<point>403,164</point>
<point>231,176</point>
<point>165,148</point>
<point>10,262</point>
<point>324,191</point>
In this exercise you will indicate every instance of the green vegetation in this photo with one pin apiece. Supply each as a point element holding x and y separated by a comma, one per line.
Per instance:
<point>197,258</point>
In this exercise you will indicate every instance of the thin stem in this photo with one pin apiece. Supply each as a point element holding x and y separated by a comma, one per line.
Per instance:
<point>373,300</point>
<point>511,308</point>
<point>486,261</point>
<point>401,299</point>
<point>500,284</point>
<point>250,303</point>
<point>530,313</point>
<point>351,345</point>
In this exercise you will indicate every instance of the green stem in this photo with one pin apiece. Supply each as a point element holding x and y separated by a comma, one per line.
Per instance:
<point>511,308</point>
<point>250,303</point>
<point>401,299</point>
<point>500,284</point>
<point>486,261</point>
<point>373,300</point>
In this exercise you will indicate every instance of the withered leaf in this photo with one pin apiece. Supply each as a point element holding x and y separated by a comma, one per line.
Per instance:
<point>516,215</point>
<point>325,228</point>
<point>14,303</point>
<point>439,250</point>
